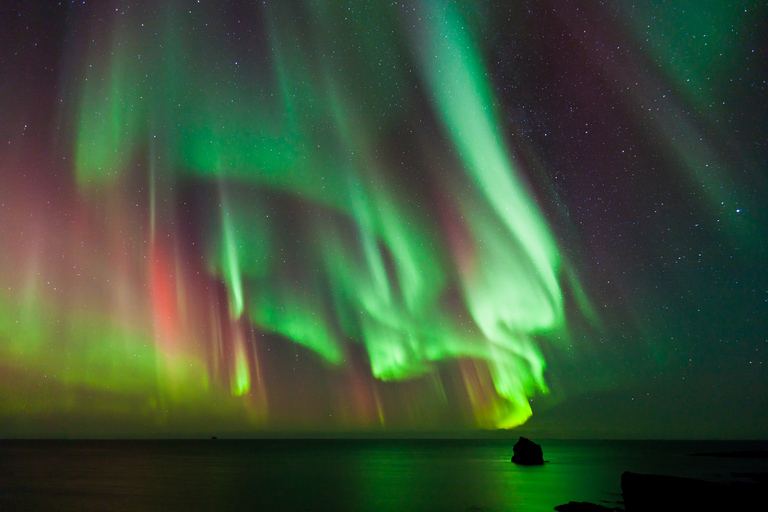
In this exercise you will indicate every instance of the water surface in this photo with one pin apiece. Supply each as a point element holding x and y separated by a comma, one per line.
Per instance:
<point>338,475</point>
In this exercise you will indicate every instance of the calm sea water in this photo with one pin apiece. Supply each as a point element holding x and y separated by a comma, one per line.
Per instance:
<point>387,476</point>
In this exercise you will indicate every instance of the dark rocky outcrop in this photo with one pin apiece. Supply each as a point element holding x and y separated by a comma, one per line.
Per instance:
<point>583,506</point>
<point>527,453</point>
<point>662,493</point>
<point>671,493</point>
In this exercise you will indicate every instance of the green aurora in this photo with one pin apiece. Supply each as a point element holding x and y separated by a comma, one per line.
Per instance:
<point>303,215</point>
<point>303,117</point>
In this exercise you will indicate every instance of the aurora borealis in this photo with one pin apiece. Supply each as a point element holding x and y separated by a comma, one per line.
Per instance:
<point>317,215</point>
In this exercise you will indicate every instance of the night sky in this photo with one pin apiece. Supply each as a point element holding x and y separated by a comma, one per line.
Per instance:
<point>306,217</point>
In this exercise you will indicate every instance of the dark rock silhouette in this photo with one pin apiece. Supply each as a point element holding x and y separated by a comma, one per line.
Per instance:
<point>583,506</point>
<point>671,493</point>
<point>527,453</point>
<point>662,493</point>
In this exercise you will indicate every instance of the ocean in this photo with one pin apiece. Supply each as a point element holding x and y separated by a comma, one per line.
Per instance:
<point>340,475</point>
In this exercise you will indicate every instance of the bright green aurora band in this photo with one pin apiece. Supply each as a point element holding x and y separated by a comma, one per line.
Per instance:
<point>320,232</point>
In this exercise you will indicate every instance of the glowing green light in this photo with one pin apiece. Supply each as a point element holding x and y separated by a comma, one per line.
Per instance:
<point>303,181</point>
<point>232,267</point>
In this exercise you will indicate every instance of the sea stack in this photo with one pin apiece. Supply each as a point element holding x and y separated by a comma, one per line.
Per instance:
<point>527,453</point>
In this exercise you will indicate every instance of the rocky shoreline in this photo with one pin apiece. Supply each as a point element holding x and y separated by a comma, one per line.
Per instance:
<point>662,493</point>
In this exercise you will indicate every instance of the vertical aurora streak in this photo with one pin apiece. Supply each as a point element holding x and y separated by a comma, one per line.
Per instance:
<point>511,287</point>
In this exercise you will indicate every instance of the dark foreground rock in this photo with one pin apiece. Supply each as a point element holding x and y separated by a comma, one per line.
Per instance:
<point>662,493</point>
<point>671,493</point>
<point>527,453</point>
<point>583,506</point>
